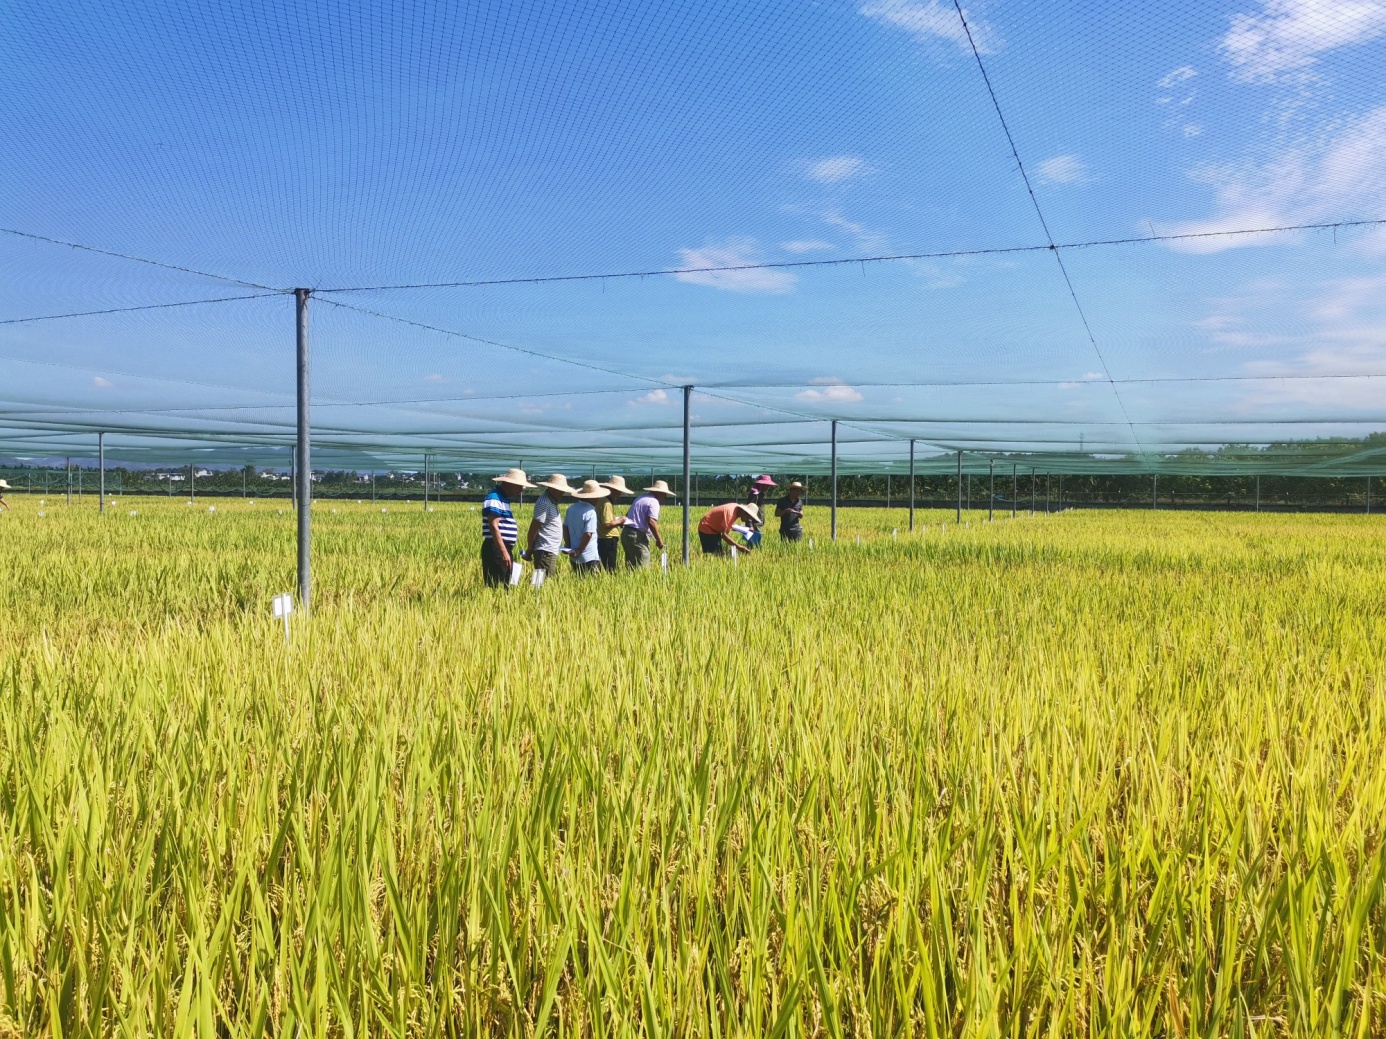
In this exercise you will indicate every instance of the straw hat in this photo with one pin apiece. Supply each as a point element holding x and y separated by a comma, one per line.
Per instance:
<point>753,511</point>
<point>556,482</point>
<point>591,490</point>
<point>764,481</point>
<point>618,484</point>
<point>659,487</point>
<point>514,477</point>
<point>795,486</point>
<point>5,486</point>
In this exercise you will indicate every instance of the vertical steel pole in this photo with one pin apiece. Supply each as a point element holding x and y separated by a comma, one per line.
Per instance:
<point>1369,494</point>
<point>911,486</point>
<point>1047,479</point>
<point>1015,493</point>
<point>425,481</point>
<point>372,486</point>
<point>887,490</point>
<point>242,481</point>
<point>1032,492</point>
<point>687,467</point>
<point>69,480</point>
<point>304,463</point>
<point>959,488</point>
<point>1155,491</point>
<point>101,456</point>
<point>834,469</point>
<point>192,482</point>
<point>991,494</point>
<point>1258,492</point>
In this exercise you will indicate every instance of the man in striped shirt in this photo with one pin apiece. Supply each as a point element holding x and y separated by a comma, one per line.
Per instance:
<point>498,530</point>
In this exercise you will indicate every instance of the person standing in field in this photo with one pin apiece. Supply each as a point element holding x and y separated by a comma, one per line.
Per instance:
<point>609,524</point>
<point>498,530</point>
<point>546,527</point>
<point>580,528</point>
<point>716,527</point>
<point>790,511</point>
<point>3,488</point>
<point>642,524</point>
<point>759,494</point>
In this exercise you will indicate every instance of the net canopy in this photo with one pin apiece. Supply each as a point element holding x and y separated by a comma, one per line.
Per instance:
<point>1084,236</point>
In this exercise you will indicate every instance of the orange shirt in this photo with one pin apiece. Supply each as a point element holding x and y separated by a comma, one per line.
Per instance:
<point>719,520</point>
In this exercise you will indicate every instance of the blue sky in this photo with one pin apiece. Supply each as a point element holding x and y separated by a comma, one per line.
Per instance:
<point>363,144</point>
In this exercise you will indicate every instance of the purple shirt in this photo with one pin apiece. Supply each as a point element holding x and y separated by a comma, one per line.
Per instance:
<point>641,511</point>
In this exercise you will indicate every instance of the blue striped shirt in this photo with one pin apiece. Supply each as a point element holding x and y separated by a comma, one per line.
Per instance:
<point>497,506</point>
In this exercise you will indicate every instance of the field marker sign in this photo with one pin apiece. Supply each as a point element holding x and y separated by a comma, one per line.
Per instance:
<point>282,606</point>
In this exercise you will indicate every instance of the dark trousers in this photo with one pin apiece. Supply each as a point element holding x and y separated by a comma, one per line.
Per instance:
<point>585,569</point>
<point>712,543</point>
<point>797,534</point>
<point>493,569</point>
<point>544,561</point>
<point>610,550</point>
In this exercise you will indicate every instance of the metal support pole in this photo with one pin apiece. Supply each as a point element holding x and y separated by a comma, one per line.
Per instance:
<point>687,467</point>
<point>192,482</point>
<point>991,497</point>
<point>1032,492</point>
<point>1258,492</point>
<point>1155,491</point>
<point>242,481</point>
<point>911,486</point>
<point>425,503</point>
<point>959,488</point>
<point>304,461</point>
<point>1047,480</point>
<point>372,486</point>
<point>1369,495</point>
<point>69,480</point>
<point>887,490</point>
<point>834,468</point>
<point>1014,492</point>
<point>101,481</point>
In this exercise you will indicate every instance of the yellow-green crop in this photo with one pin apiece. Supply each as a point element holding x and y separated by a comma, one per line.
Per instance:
<point>1098,774</point>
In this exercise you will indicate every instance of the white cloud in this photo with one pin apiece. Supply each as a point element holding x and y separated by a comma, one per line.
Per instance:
<point>1192,130</point>
<point>434,377</point>
<point>1288,35</point>
<point>806,245</point>
<point>931,21</point>
<point>653,397</point>
<point>104,384</point>
<point>1064,169</point>
<point>1176,76</point>
<point>735,252</point>
<point>1342,175</point>
<point>868,241</point>
<point>837,168</point>
<point>833,391</point>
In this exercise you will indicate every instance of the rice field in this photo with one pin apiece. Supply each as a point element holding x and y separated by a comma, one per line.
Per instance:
<point>1092,774</point>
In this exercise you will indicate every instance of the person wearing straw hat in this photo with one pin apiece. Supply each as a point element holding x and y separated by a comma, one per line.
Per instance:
<point>546,528</point>
<point>760,491</point>
<point>609,524</point>
<point>642,524</point>
<point>580,528</point>
<point>716,527</point>
<point>4,486</point>
<point>790,510</point>
<point>498,530</point>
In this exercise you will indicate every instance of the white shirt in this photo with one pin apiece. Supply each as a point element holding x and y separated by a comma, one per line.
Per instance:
<point>550,535</point>
<point>582,519</point>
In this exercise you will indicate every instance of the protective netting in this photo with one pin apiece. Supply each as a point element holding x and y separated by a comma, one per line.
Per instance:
<point>1094,237</point>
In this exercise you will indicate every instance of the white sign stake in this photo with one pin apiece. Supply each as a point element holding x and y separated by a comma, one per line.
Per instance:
<point>536,579</point>
<point>895,532</point>
<point>282,606</point>
<point>735,560</point>
<point>810,542</point>
<point>517,570</point>
<point>858,540</point>
<point>664,561</point>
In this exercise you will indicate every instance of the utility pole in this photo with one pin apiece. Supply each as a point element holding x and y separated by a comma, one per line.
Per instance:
<point>834,470</point>
<point>687,467</point>
<point>911,486</point>
<point>304,475</point>
<point>960,488</point>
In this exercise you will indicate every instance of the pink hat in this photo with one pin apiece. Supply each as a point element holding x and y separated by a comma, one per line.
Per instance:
<point>764,481</point>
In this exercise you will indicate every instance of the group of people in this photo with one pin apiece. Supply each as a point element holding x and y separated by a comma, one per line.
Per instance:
<point>593,535</point>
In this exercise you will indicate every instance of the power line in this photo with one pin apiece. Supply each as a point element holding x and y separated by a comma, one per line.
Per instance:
<point>130,310</point>
<point>140,259</point>
<point>946,254</point>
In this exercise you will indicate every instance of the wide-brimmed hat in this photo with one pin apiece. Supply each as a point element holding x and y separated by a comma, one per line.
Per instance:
<point>617,484</point>
<point>764,481</point>
<point>795,486</point>
<point>5,486</point>
<point>753,511</point>
<point>659,487</point>
<point>591,490</point>
<point>556,482</point>
<point>514,477</point>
